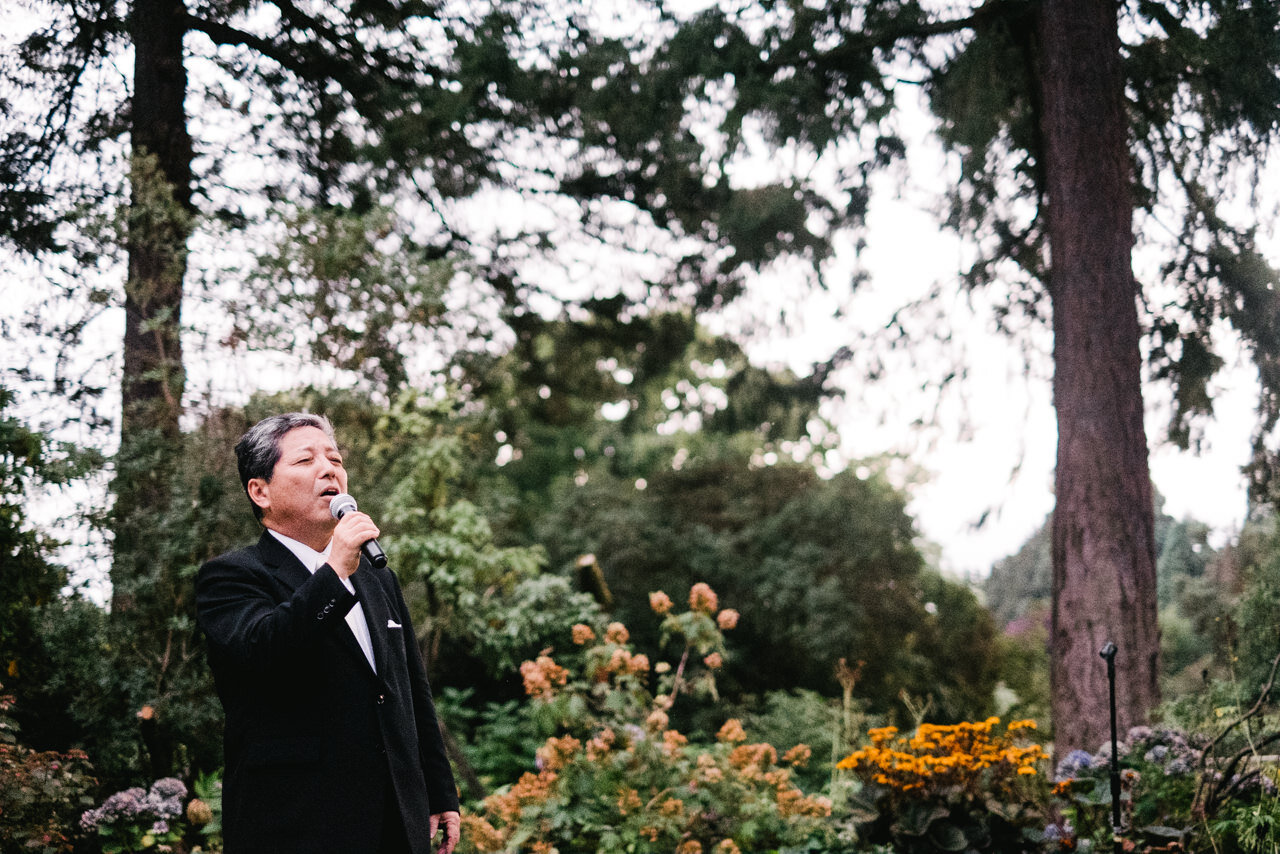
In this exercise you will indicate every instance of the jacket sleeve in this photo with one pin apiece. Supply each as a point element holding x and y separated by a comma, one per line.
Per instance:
<point>441,788</point>
<point>244,613</point>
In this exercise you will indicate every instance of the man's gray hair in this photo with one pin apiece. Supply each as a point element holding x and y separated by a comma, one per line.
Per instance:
<point>258,450</point>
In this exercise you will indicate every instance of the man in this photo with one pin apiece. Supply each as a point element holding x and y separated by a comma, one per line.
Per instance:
<point>331,741</point>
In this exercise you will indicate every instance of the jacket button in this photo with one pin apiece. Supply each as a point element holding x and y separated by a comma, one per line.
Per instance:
<point>382,698</point>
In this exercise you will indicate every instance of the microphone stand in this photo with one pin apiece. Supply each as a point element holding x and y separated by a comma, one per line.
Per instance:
<point>1108,653</point>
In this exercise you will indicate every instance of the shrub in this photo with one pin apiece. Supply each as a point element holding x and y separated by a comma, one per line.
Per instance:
<point>619,778</point>
<point>41,792</point>
<point>950,788</point>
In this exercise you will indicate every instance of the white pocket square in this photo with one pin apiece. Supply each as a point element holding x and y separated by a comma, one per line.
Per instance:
<point>392,624</point>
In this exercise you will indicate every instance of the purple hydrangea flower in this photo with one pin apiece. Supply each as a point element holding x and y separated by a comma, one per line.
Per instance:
<point>169,787</point>
<point>1072,764</point>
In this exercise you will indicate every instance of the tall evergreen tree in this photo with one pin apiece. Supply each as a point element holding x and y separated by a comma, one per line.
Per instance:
<point>1065,119</point>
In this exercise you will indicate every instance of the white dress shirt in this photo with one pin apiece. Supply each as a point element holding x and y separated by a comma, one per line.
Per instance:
<point>313,560</point>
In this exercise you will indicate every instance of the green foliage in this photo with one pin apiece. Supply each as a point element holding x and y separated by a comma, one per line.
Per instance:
<point>1256,626</point>
<point>204,811</point>
<point>1024,669</point>
<point>42,793</point>
<point>791,718</point>
<point>352,288</point>
<point>30,579</point>
<point>496,602</point>
<point>1020,582</point>
<point>1247,827</point>
<point>163,686</point>
<point>500,739</point>
<point>825,568</point>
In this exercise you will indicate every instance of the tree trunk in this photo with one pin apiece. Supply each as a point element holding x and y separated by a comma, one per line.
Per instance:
<point>159,223</point>
<point>1104,585</point>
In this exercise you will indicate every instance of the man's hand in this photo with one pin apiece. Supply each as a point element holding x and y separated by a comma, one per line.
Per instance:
<point>452,830</point>
<point>354,529</point>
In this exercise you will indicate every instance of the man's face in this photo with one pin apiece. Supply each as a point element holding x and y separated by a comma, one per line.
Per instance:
<point>308,474</point>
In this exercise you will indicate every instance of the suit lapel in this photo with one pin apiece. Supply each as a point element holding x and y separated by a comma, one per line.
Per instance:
<point>376,612</point>
<point>283,563</point>
<point>286,567</point>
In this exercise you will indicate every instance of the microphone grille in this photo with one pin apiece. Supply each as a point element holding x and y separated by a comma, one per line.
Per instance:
<point>341,504</point>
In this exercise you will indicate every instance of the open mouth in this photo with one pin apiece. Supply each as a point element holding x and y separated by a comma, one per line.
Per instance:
<point>329,492</point>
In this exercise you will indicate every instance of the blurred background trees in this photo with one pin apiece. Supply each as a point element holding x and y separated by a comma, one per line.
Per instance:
<point>493,242</point>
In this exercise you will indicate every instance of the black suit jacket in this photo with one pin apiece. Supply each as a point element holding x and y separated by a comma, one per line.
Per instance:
<point>315,740</point>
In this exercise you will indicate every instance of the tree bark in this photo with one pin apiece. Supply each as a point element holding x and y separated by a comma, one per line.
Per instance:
<point>1104,585</point>
<point>159,223</point>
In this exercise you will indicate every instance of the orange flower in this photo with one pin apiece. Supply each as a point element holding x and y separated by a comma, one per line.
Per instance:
<point>753,756</point>
<point>708,770</point>
<point>660,602</point>
<point>727,619</point>
<point>713,661</point>
<point>671,808</point>
<point>672,741</point>
<point>689,846</point>
<point>732,732</point>
<point>583,634</point>
<point>542,675</point>
<point>601,744</point>
<point>798,755</point>
<point>628,801</point>
<point>529,789</point>
<point>556,752</point>
<point>702,598</point>
<point>482,834</point>
<point>616,633</point>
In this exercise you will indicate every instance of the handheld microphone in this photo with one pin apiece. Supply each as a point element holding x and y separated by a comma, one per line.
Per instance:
<point>342,504</point>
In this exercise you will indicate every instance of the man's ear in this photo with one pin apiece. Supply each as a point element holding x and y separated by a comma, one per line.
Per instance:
<point>259,492</point>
